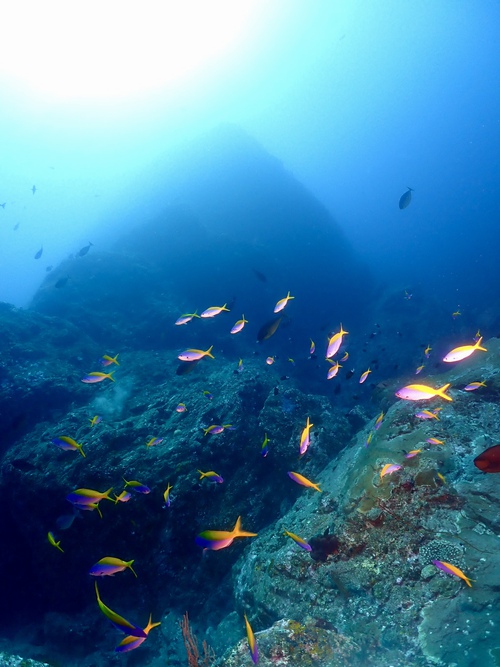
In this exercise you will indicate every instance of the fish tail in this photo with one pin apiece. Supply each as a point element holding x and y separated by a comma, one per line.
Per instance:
<point>129,565</point>
<point>110,376</point>
<point>237,532</point>
<point>479,346</point>
<point>316,487</point>
<point>203,474</point>
<point>224,307</point>
<point>441,390</point>
<point>114,360</point>
<point>80,449</point>
<point>208,352</point>
<point>99,511</point>
<point>195,314</point>
<point>106,495</point>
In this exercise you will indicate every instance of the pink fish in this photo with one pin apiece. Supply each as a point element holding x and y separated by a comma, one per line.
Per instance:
<point>332,372</point>
<point>214,310</point>
<point>389,468</point>
<point>335,342</point>
<point>464,351</point>
<point>305,438</point>
<point>364,376</point>
<point>239,325</point>
<point>184,319</point>
<point>195,355</point>
<point>282,303</point>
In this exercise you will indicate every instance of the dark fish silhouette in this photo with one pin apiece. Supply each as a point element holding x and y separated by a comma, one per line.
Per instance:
<point>49,268</point>
<point>259,275</point>
<point>62,282</point>
<point>405,199</point>
<point>489,460</point>
<point>33,189</point>
<point>186,367</point>
<point>268,329</point>
<point>16,226</point>
<point>39,253</point>
<point>85,250</point>
<point>3,205</point>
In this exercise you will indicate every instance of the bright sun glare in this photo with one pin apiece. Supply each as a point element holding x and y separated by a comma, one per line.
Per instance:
<point>109,49</point>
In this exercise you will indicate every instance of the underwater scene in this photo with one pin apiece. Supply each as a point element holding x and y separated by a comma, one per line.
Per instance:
<point>250,334</point>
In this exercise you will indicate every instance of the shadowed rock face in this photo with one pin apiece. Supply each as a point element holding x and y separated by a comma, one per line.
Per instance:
<point>232,215</point>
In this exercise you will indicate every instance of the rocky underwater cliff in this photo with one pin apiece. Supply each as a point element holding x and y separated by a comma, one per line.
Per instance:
<point>366,591</point>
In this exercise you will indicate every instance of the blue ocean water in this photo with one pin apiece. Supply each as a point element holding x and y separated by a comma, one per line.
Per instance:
<point>266,152</point>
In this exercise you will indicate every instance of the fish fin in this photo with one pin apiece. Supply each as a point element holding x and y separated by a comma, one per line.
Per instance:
<point>129,565</point>
<point>208,352</point>
<point>441,390</point>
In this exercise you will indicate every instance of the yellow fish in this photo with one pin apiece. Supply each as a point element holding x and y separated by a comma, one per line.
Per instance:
<point>52,540</point>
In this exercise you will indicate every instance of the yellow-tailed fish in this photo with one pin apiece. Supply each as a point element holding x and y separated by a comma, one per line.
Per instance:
<point>335,342</point>
<point>427,351</point>
<point>474,385</point>
<point>378,421</point>
<point>364,376</point>
<point>95,420</point>
<point>464,351</point>
<point>166,496</point>
<point>434,441</point>
<point>68,444</point>
<point>129,643</point>
<point>239,325</point>
<point>419,369</point>
<point>109,566</point>
<point>52,540</point>
<point>265,446</point>
<point>421,392</point>
<point>93,378</point>
<point>118,621</point>
<point>211,476</point>
<point>305,438</point>
<point>333,370</point>
<point>220,539</point>
<point>106,360</point>
<point>195,355</point>
<point>184,319</point>
<point>214,310</point>
<point>282,303</point>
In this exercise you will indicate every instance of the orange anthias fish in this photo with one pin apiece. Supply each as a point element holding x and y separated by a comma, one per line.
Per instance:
<point>220,539</point>
<point>303,481</point>
<point>451,569</point>
<point>252,644</point>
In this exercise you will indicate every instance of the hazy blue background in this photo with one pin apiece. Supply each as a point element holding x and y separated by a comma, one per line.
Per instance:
<point>358,99</point>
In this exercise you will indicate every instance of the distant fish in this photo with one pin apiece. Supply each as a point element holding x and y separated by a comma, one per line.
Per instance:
<point>34,189</point>
<point>303,481</point>
<point>252,644</point>
<point>195,355</point>
<point>68,444</point>
<point>452,569</point>
<point>270,361</point>
<point>214,310</point>
<point>474,385</point>
<point>49,268</point>
<point>405,199</point>
<point>154,441</point>
<point>282,303</point>
<point>94,377</point>
<point>378,421</point>
<point>369,439</point>
<point>16,226</point>
<point>298,540</point>
<point>167,501</point>
<point>456,314</point>
<point>421,392</point>
<point>62,282</point>
<point>184,319</point>
<point>207,394</point>
<point>82,497</point>
<point>65,521</point>
<point>268,329</point>
<point>312,348</point>
<point>106,360</point>
<point>138,487</point>
<point>364,376</point>
<point>305,438</point>
<point>435,441</point>
<point>419,369</point>
<point>239,325</point>
<point>412,453</point>
<point>52,540</point>
<point>389,468</point>
<point>477,336</point>
<point>265,447</point>
<point>181,408</point>
<point>83,251</point>
<point>220,539</point>
<point>426,414</point>
<point>241,367</point>
<point>259,275</point>
<point>3,205</point>
<point>215,429</point>
<point>39,253</point>
<point>333,370</point>
<point>124,497</point>
<point>211,476</point>
<point>464,351</point>
<point>95,420</point>
<point>427,351</point>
